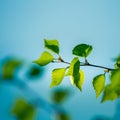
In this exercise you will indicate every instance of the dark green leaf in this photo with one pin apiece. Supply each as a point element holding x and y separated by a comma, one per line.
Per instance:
<point>52,45</point>
<point>34,71</point>
<point>117,64</point>
<point>60,95</point>
<point>44,59</point>
<point>10,67</point>
<point>80,81</point>
<point>74,67</point>
<point>63,116</point>
<point>82,50</point>
<point>57,76</point>
<point>112,91</point>
<point>76,75</point>
<point>23,110</point>
<point>99,84</point>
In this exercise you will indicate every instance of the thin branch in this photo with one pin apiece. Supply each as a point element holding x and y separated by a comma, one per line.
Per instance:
<point>98,66</point>
<point>86,64</point>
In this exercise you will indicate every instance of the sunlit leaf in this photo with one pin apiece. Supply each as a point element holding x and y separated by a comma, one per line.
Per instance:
<point>23,110</point>
<point>57,76</point>
<point>52,45</point>
<point>112,91</point>
<point>76,75</point>
<point>44,59</point>
<point>74,66</point>
<point>99,84</point>
<point>10,67</point>
<point>60,95</point>
<point>115,77</point>
<point>80,81</point>
<point>82,50</point>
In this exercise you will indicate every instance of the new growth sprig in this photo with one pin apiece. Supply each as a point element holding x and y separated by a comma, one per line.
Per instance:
<point>110,91</point>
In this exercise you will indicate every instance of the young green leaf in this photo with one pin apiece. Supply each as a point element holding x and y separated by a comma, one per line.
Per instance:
<point>76,75</point>
<point>44,59</point>
<point>52,45</point>
<point>23,110</point>
<point>82,50</point>
<point>112,91</point>
<point>98,84</point>
<point>74,66</point>
<point>80,80</point>
<point>57,76</point>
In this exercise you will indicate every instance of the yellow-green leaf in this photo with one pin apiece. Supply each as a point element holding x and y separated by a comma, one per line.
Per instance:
<point>57,76</point>
<point>52,45</point>
<point>79,83</point>
<point>115,77</point>
<point>99,84</point>
<point>76,75</point>
<point>82,50</point>
<point>112,91</point>
<point>44,59</point>
<point>74,66</point>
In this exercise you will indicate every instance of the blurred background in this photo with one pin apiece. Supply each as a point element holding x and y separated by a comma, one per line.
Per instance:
<point>23,26</point>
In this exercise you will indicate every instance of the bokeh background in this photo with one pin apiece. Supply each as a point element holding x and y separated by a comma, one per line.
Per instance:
<point>25,23</point>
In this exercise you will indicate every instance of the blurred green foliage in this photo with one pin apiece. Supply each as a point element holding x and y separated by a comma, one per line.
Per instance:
<point>9,68</point>
<point>34,71</point>
<point>60,95</point>
<point>23,110</point>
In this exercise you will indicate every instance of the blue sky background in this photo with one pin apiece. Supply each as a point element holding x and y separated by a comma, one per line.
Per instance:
<point>25,23</point>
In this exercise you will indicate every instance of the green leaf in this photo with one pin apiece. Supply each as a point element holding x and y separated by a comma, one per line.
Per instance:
<point>99,84</point>
<point>57,76</point>
<point>80,80</point>
<point>74,66</point>
<point>117,64</point>
<point>112,91</point>
<point>63,116</point>
<point>10,67</point>
<point>76,75</point>
<point>82,50</point>
<point>60,95</point>
<point>23,110</point>
<point>52,45</point>
<point>44,59</point>
<point>34,71</point>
